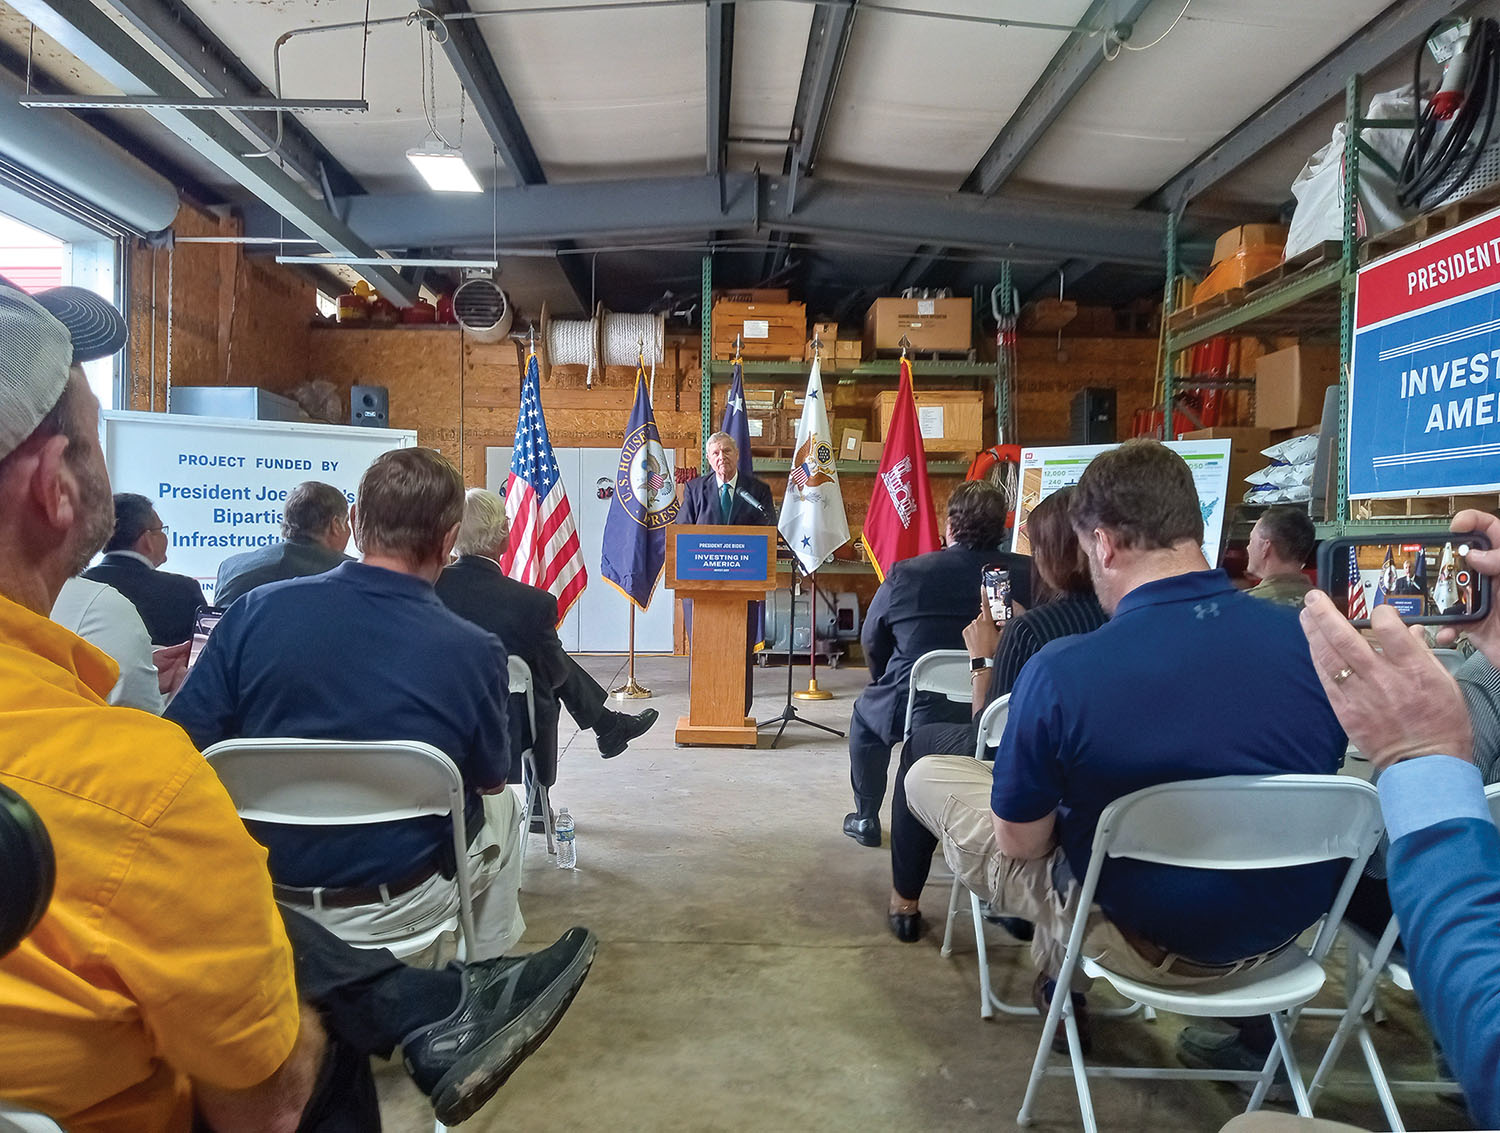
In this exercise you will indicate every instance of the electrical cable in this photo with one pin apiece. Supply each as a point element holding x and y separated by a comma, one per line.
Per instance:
<point>1121,45</point>
<point>1437,145</point>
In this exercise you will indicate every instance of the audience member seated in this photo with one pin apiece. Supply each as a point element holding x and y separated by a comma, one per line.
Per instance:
<point>1280,543</point>
<point>1409,718</point>
<point>314,532</point>
<point>1067,606</point>
<point>524,618</point>
<point>168,603</point>
<point>367,652</point>
<point>922,605</point>
<point>142,995</point>
<point>105,618</point>
<point>1087,726</point>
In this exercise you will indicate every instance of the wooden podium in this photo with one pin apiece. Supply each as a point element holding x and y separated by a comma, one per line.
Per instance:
<point>721,569</point>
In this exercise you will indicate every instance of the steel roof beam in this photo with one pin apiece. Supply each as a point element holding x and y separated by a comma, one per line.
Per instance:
<point>678,207</point>
<point>183,38</point>
<point>475,65</point>
<point>827,41</point>
<point>1075,62</point>
<point>1394,29</point>
<point>108,49</point>
<point>719,24</point>
<point>916,268</point>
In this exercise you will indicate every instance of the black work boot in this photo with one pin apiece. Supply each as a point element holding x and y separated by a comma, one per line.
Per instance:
<point>616,736</point>
<point>508,1008</point>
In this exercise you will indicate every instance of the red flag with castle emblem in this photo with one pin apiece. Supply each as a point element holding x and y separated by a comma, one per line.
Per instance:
<point>901,521</point>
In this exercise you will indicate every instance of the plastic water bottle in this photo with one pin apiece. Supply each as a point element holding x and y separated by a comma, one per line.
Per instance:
<point>567,848</point>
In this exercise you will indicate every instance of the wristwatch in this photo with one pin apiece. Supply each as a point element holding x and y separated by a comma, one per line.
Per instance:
<point>980,664</point>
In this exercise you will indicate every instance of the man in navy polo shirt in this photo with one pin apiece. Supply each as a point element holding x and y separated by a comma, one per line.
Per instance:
<point>367,652</point>
<point>1189,679</point>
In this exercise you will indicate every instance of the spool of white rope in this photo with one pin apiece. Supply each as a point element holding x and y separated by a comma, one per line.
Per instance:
<point>629,337</point>
<point>571,342</point>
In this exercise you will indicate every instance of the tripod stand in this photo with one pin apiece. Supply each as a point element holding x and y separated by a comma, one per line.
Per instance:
<point>789,710</point>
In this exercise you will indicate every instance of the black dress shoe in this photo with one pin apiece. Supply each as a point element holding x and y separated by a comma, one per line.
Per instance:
<point>865,831</point>
<point>906,926</point>
<point>624,728</point>
<point>508,1008</point>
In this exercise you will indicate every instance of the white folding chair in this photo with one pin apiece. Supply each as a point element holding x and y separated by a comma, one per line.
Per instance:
<point>1369,961</point>
<point>24,1121</point>
<point>1452,659</point>
<point>293,782</point>
<point>943,671</point>
<point>1229,823</point>
<point>991,727</point>
<point>533,790</point>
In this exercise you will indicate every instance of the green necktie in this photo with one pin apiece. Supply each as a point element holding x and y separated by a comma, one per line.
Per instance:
<point>726,503</point>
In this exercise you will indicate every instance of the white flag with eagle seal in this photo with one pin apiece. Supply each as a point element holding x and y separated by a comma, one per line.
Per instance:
<point>813,522</point>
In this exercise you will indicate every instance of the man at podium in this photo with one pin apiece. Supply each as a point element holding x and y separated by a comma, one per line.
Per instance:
<point>729,496</point>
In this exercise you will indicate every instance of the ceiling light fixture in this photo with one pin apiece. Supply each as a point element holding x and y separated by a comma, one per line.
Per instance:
<point>443,168</point>
<point>386,261</point>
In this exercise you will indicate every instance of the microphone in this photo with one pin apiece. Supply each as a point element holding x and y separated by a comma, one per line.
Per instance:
<point>751,500</point>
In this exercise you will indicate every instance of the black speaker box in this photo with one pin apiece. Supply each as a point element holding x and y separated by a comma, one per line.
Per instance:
<point>369,405</point>
<point>1092,417</point>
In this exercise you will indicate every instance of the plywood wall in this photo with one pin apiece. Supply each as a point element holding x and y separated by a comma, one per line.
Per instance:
<point>206,314</point>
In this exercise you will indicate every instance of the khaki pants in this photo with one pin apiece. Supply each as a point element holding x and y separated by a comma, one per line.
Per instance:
<point>950,795</point>
<point>494,864</point>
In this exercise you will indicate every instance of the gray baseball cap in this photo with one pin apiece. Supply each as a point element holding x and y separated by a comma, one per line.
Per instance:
<point>41,336</point>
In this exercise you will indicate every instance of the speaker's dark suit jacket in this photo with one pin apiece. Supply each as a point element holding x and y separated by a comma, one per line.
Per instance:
<point>923,605</point>
<point>240,574</point>
<point>524,618</point>
<point>168,603</point>
<point>700,503</point>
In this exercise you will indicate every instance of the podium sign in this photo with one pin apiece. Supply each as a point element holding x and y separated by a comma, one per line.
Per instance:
<point>721,569</point>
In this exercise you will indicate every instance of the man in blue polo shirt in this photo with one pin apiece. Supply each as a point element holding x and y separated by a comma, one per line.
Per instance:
<point>1189,679</point>
<point>368,652</point>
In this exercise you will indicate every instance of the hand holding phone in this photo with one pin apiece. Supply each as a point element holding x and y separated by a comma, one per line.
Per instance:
<point>1485,564</point>
<point>1426,579</point>
<point>996,586</point>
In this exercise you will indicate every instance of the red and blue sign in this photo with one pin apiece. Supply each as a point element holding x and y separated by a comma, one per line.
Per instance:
<point>1424,381</point>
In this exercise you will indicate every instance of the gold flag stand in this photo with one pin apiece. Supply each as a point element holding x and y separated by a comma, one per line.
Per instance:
<point>631,689</point>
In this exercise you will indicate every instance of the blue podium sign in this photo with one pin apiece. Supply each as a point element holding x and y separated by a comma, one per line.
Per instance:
<point>703,557</point>
<point>1424,381</point>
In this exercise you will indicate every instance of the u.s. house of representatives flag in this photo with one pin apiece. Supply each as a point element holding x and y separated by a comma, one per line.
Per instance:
<point>543,548</point>
<point>645,501</point>
<point>813,522</point>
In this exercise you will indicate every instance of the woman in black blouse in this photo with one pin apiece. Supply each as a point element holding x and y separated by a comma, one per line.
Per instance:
<point>1066,606</point>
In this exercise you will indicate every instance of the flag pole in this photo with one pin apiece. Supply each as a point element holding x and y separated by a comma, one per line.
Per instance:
<point>631,689</point>
<point>812,691</point>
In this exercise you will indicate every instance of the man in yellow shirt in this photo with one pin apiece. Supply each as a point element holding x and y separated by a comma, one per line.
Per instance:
<point>161,981</point>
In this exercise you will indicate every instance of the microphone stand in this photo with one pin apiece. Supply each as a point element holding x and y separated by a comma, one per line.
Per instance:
<point>789,713</point>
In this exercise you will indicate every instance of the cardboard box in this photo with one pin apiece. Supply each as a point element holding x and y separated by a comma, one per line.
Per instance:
<point>851,438</point>
<point>848,351</point>
<point>1289,386</point>
<point>950,420</point>
<point>871,450</point>
<point>928,324</point>
<point>1249,236</point>
<point>764,426</point>
<point>1244,455</point>
<point>755,295</point>
<point>1236,270</point>
<point>827,334</point>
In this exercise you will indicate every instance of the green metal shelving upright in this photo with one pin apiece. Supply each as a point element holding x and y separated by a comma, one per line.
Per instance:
<point>1313,299</point>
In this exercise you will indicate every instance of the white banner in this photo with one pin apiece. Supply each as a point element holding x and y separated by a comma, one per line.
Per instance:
<point>220,485</point>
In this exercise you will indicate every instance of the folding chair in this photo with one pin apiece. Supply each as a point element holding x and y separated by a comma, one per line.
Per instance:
<point>24,1121</point>
<point>533,790</point>
<point>291,782</point>
<point>1229,823</point>
<point>1369,961</point>
<point>943,671</point>
<point>1452,659</point>
<point>991,727</point>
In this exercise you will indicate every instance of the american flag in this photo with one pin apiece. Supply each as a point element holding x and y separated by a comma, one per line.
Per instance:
<point>1357,606</point>
<point>543,549</point>
<point>800,474</point>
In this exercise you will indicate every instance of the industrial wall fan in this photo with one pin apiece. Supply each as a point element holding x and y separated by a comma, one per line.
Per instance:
<point>481,308</point>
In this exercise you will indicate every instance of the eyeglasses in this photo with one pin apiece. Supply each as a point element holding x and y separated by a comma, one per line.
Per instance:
<point>163,529</point>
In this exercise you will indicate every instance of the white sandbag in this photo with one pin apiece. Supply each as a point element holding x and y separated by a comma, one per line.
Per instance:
<point>1319,188</point>
<point>1294,450</point>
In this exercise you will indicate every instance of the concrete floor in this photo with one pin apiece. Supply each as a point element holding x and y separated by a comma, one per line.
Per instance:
<point>746,979</point>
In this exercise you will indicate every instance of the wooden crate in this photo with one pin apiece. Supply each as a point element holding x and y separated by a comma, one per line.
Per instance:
<point>770,331</point>
<point>1423,507</point>
<point>953,421</point>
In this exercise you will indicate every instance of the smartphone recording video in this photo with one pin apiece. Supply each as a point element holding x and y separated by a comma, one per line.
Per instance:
<point>1428,581</point>
<point>997,594</point>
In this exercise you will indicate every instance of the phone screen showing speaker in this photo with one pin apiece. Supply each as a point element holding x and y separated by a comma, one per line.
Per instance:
<point>1426,580</point>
